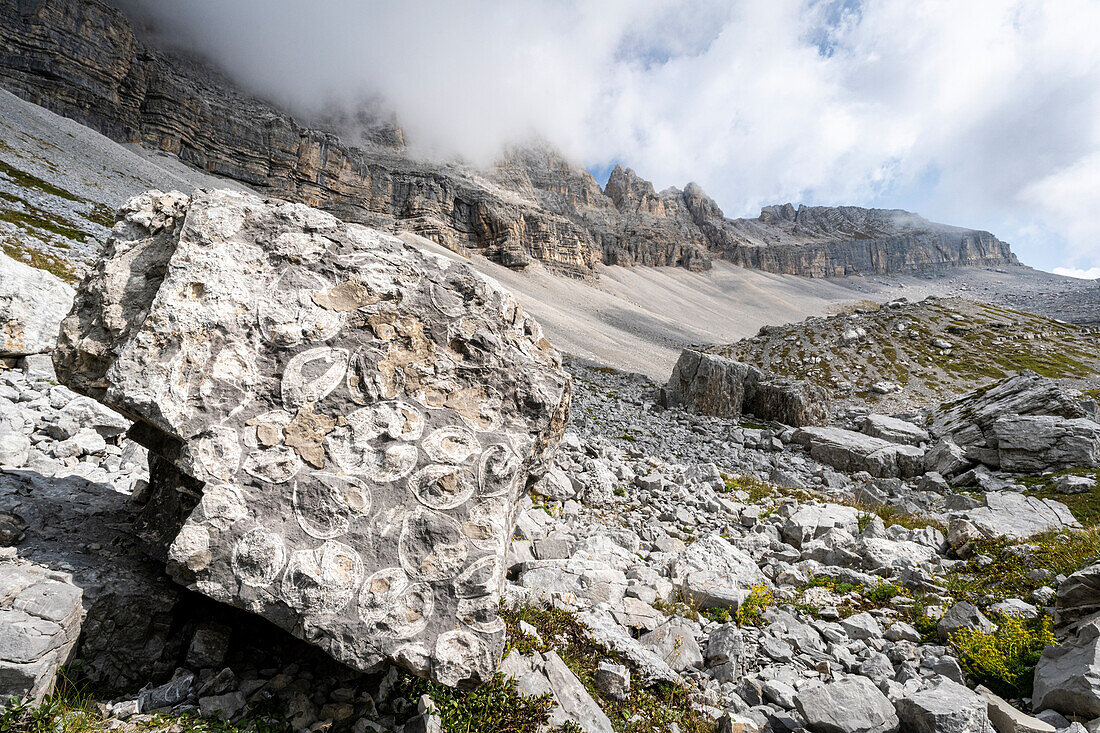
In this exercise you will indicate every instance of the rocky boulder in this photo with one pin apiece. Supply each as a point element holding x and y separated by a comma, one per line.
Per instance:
<point>32,304</point>
<point>40,616</point>
<point>850,451</point>
<point>894,430</point>
<point>1067,677</point>
<point>946,707</point>
<point>714,385</point>
<point>1024,423</point>
<point>1012,514</point>
<point>847,705</point>
<point>1078,599</point>
<point>358,418</point>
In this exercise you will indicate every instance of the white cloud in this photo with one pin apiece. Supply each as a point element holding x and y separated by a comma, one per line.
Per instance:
<point>1092,273</point>
<point>984,113</point>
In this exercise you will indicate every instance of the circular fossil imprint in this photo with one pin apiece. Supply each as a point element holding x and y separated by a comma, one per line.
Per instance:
<point>275,465</point>
<point>451,444</point>
<point>218,454</point>
<point>311,375</point>
<point>380,465</point>
<point>482,578</point>
<point>258,557</point>
<point>498,471</point>
<point>228,379</point>
<point>396,606</point>
<point>322,580</point>
<point>287,314</point>
<point>324,503</point>
<point>395,420</point>
<point>431,545</point>
<point>480,614</point>
<point>442,487</point>
<point>222,505</point>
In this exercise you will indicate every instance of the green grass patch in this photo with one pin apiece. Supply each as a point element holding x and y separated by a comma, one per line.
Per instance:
<point>1000,567</point>
<point>658,709</point>
<point>28,180</point>
<point>1005,660</point>
<point>40,260</point>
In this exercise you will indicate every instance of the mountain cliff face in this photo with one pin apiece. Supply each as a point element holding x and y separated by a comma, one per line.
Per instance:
<point>82,59</point>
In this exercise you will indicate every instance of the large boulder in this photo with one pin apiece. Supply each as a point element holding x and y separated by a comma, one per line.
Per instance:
<point>847,705</point>
<point>359,418</point>
<point>1012,514</point>
<point>713,573</point>
<point>850,451</point>
<point>714,385</point>
<point>1036,443</point>
<point>32,304</point>
<point>1078,599</point>
<point>894,430</point>
<point>1024,423</point>
<point>1067,677</point>
<point>946,707</point>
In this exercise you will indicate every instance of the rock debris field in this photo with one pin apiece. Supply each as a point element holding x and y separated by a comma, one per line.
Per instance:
<point>278,472</point>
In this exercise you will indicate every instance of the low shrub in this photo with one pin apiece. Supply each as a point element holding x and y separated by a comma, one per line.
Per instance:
<point>1005,660</point>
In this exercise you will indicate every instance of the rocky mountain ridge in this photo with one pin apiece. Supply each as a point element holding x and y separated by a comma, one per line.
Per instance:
<point>85,60</point>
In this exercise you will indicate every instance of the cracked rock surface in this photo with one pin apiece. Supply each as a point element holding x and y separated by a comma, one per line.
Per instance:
<point>343,423</point>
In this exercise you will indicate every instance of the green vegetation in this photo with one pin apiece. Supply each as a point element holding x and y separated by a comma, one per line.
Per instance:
<point>1005,660</point>
<point>27,180</point>
<point>891,515</point>
<point>985,343</point>
<point>663,707</point>
<point>752,608</point>
<point>1084,506</point>
<point>70,709</point>
<point>40,260</point>
<point>1000,567</point>
<point>495,707</point>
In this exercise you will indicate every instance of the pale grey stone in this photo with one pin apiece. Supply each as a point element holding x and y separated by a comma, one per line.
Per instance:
<point>363,417</point>
<point>1067,677</point>
<point>1012,514</point>
<point>963,615</point>
<point>674,641</point>
<point>1007,719</point>
<point>946,707</point>
<point>32,304</point>
<point>40,619</point>
<point>848,705</point>
<point>894,430</point>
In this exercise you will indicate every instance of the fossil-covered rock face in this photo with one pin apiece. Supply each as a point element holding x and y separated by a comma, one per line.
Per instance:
<point>362,417</point>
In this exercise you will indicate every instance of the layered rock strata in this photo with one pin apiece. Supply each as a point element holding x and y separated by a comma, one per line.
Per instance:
<point>346,422</point>
<point>84,60</point>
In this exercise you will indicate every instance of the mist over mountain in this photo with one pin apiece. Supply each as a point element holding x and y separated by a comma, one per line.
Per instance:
<point>982,114</point>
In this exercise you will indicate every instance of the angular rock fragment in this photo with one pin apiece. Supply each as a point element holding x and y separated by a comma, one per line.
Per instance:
<point>947,706</point>
<point>1025,423</point>
<point>850,451</point>
<point>360,417</point>
<point>714,385</point>
<point>848,705</point>
<point>1067,677</point>
<point>40,617</point>
<point>1012,514</point>
<point>32,304</point>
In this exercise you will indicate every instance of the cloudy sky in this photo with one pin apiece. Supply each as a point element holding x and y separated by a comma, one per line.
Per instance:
<point>978,113</point>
